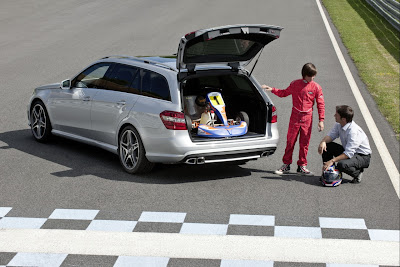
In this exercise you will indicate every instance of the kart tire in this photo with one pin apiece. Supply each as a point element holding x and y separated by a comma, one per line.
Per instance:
<point>188,123</point>
<point>242,116</point>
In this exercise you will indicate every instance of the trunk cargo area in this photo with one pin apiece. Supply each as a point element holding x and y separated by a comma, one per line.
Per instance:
<point>239,95</point>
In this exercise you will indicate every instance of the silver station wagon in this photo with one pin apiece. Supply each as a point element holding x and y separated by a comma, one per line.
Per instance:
<point>147,110</point>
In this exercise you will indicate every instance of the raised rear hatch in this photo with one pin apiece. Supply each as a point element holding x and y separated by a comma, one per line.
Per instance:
<point>230,45</point>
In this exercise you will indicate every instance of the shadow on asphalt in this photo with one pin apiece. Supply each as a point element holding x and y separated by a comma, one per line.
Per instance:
<point>82,159</point>
<point>311,180</point>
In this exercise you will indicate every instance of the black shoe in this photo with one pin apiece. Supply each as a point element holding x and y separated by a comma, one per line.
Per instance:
<point>302,170</point>
<point>357,180</point>
<point>284,169</point>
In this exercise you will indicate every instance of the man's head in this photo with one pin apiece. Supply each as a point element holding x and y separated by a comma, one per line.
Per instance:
<point>344,114</point>
<point>309,71</point>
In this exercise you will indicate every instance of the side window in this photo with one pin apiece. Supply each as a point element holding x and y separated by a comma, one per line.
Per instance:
<point>123,78</point>
<point>155,85</point>
<point>92,77</point>
<point>242,84</point>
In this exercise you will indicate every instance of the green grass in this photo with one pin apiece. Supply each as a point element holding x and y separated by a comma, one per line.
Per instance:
<point>373,44</point>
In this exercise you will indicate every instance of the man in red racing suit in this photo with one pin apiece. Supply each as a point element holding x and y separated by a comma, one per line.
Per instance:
<point>304,93</point>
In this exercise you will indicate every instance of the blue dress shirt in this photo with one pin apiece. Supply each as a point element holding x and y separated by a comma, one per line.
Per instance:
<point>353,139</point>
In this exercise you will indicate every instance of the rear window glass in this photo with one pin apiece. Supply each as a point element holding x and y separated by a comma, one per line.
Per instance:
<point>220,47</point>
<point>225,49</point>
<point>155,85</point>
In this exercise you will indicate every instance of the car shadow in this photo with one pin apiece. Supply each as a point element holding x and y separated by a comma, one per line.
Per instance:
<point>81,159</point>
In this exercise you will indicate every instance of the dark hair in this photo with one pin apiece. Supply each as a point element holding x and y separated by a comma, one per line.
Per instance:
<point>308,70</point>
<point>345,112</point>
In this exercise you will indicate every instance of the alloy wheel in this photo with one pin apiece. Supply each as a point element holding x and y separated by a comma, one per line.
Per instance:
<point>38,121</point>
<point>129,149</point>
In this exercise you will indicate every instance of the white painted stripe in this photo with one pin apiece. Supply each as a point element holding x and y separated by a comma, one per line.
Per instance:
<point>167,217</point>
<point>73,214</point>
<point>350,265</point>
<point>172,245</point>
<point>204,229</point>
<point>380,144</point>
<point>4,211</point>
<point>111,226</point>
<point>243,219</point>
<point>19,222</point>
<point>37,259</point>
<point>384,235</point>
<point>128,261</point>
<point>298,232</point>
<point>342,223</point>
<point>246,263</point>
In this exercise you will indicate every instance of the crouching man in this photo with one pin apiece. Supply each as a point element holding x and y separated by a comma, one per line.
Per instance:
<point>354,154</point>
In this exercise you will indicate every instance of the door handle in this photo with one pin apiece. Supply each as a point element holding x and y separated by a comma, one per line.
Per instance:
<point>86,98</point>
<point>121,103</point>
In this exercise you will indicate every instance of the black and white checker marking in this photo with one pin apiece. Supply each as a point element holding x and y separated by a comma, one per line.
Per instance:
<point>174,222</point>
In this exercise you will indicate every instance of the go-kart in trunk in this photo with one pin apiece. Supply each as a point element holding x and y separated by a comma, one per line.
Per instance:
<point>240,97</point>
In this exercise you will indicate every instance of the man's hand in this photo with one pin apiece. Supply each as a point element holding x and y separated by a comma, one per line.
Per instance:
<point>322,147</point>
<point>266,87</point>
<point>320,126</point>
<point>327,165</point>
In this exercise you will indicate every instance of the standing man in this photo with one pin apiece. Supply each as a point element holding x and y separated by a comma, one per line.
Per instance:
<point>305,92</point>
<point>354,154</point>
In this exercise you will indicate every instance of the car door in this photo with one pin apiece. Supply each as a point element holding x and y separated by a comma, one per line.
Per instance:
<point>113,103</point>
<point>71,107</point>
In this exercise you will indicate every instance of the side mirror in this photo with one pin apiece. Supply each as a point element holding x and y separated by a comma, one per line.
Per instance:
<point>66,84</point>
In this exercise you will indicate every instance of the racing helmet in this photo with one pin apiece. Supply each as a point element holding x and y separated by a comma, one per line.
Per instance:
<point>331,176</point>
<point>201,101</point>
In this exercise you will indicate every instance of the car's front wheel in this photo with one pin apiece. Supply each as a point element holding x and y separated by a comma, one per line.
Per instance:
<point>132,154</point>
<point>40,122</point>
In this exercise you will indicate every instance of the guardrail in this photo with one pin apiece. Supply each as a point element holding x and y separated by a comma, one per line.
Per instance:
<point>389,9</point>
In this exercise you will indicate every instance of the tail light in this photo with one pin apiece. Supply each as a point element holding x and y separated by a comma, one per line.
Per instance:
<point>274,116</point>
<point>173,120</point>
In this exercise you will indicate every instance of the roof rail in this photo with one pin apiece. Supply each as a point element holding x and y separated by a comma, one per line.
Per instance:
<point>141,60</point>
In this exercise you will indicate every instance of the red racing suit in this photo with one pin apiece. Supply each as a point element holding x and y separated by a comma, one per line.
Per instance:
<point>303,96</point>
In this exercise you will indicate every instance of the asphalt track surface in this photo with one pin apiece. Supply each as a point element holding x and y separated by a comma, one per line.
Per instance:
<point>45,41</point>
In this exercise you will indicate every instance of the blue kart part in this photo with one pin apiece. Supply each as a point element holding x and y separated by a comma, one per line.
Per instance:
<point>214,99</point>
<point>222,131</point>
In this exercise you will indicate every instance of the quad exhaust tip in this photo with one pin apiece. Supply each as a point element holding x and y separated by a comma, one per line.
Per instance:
<point>198,160</point>
<point>265,154</point>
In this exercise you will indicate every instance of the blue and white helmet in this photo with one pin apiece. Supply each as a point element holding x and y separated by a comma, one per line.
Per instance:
<point>331,176</point>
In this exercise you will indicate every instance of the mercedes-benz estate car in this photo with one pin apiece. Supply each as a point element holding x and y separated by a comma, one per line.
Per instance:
<point>143,108</point>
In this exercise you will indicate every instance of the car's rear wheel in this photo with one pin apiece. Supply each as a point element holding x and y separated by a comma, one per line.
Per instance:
<point>132,153</point>
<point>40,122</point>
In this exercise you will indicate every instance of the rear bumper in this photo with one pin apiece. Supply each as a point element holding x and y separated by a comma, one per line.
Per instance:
<point>177,147</point>
<point>249,154</point>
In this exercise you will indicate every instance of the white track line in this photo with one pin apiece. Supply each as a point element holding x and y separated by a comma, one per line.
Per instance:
<point>231,247</point>
<point>380,144</point>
